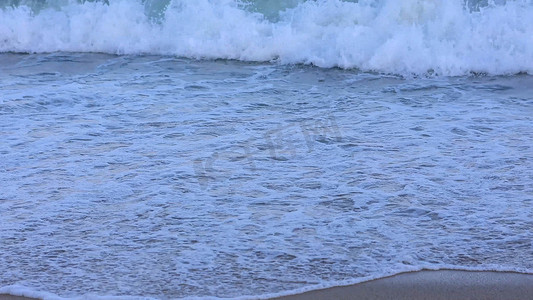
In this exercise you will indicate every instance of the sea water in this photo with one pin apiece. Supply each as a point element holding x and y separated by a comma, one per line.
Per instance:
<point>180,149</point>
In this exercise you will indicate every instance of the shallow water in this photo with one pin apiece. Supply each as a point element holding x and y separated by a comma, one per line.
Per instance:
<point>165,177</point>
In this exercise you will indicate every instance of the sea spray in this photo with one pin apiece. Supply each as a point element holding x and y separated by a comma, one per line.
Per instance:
<point>403,37</point>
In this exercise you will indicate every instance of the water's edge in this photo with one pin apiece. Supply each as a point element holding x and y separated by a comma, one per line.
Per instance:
<point>43,295</point>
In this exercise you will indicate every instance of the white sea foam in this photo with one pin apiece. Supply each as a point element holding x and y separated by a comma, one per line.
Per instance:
<point>18,290</point>
<point>404,37</point>
<point>167,177</point>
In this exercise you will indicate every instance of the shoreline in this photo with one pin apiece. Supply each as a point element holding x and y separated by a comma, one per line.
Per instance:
<point>430,284</point>
<point>425,284</point>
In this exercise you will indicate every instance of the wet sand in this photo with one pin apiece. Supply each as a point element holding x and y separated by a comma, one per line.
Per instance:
<point>434,285</point>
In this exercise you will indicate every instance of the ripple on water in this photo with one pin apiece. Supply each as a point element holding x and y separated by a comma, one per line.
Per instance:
<point>160,176</point>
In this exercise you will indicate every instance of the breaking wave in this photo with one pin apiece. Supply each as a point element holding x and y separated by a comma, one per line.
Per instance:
<point>443,37</point>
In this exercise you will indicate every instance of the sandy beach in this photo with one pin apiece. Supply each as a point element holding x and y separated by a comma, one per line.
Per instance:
<point>437,285</point>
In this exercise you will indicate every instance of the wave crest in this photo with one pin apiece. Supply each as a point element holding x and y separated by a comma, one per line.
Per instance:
<point>402,37</point>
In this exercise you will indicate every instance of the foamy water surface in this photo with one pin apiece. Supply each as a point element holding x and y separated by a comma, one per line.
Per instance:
<point>219,148</point>
<point>164,177</point>
<point>402,37</point>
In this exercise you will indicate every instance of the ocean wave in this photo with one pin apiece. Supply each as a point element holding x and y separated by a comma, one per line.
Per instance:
<point>402,37</point>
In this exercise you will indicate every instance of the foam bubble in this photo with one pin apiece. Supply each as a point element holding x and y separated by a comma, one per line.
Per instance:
<point>403,37</point>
